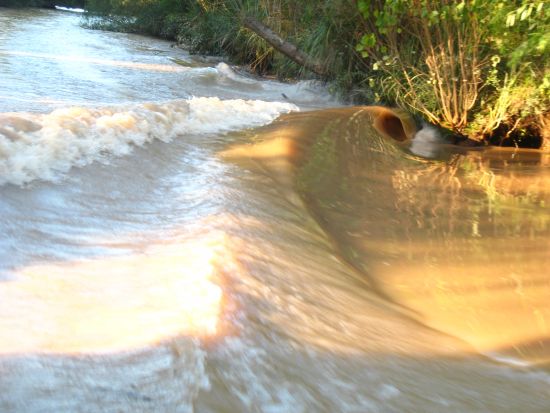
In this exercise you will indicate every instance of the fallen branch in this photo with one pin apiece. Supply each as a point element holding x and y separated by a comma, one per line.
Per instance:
<point>286,48</point>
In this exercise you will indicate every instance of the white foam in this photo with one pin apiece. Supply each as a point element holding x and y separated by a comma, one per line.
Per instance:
<point>166,378</point>
<point>426,142</point>
<point>308,94</point>
<point>70,9</point>
<point>224,70</point>
<point>511,361</point>
<point>387,391</point>
<point>45,146</point>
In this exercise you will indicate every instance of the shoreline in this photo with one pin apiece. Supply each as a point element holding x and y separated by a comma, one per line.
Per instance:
<point>195,29</point>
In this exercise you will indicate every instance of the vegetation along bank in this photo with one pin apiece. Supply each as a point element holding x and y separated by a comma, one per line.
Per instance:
<point>478,68</point>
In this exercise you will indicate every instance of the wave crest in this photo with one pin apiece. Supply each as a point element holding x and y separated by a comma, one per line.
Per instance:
<point>45,146</point>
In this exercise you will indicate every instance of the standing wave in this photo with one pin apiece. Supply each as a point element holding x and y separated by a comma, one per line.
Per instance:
<point>45,146</point>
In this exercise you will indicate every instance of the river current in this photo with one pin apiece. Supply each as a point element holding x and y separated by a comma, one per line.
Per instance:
<point>179,236</point>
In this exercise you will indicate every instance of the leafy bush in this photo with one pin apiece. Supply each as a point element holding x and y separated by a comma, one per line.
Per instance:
<point>470,65</point>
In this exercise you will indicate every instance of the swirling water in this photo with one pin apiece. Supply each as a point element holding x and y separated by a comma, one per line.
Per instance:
<point>161,250</point>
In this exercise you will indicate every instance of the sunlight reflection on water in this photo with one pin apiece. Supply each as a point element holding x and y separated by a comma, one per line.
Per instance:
<point>110,304</point>
<point>96,61</point>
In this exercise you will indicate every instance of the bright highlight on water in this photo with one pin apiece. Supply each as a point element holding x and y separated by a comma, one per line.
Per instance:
<point>180,236</point>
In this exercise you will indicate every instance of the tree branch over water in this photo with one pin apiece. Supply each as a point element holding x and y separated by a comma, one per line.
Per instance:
<point>286,48</point>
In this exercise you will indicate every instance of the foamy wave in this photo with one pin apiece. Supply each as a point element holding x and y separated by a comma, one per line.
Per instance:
<point>70,9</point>
<point>427,142</point>
<point>44,146</point>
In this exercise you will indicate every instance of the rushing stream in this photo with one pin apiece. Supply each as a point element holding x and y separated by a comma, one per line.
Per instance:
<point>177,236</point>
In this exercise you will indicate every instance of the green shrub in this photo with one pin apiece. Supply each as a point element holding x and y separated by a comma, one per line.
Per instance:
<point>470,66</point>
